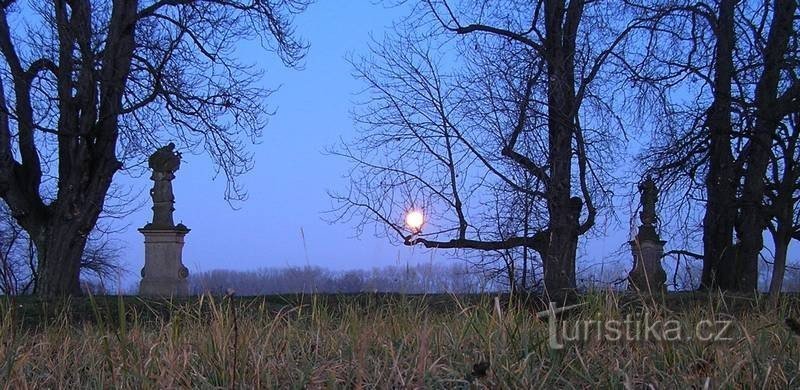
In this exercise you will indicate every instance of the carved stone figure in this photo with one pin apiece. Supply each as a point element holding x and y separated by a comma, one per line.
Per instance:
<point>649,194</point>
<point>164,163</point>
<point>165,159</point>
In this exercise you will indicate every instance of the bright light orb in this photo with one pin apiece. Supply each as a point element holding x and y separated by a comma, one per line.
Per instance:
<point>414,220</point>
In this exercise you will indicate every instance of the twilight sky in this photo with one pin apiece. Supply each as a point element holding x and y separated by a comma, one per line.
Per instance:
<point>287,188</point>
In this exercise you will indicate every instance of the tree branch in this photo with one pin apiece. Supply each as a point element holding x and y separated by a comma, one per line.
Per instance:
<point>684,253</point>
<point>522,119</point>
<point>498,31</point>
<point>538,243</point>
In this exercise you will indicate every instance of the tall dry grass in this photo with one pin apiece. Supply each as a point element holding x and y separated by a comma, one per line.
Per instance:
<point>389,342</point>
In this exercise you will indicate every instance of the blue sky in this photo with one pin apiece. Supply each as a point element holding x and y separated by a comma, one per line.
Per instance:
<point>287,187</point>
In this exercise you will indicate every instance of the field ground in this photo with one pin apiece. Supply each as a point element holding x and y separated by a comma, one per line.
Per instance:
<point>393,341</point>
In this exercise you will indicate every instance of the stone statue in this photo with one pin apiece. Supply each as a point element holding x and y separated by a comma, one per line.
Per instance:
<point>165,159</point>
<point>649,194</point>
<point>164,163</point>
<point>164,273</point>
<point>647,247</point>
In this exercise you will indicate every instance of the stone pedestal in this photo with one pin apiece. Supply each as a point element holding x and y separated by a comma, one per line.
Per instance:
<point>164,273</point>
<point>647,275</point>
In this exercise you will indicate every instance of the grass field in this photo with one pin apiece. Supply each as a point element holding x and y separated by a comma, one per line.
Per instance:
<point>386,341</point>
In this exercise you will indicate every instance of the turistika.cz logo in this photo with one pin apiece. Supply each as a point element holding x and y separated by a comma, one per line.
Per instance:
<point>640,327</point>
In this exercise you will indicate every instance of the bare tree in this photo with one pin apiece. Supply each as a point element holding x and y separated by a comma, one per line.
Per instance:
<point>721,75</point>
<point>469,94</point>
<point>775,95</point>
<point>89,88</point>
<point>783,197</point>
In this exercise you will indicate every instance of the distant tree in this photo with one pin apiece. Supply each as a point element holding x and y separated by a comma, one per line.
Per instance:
<point>419,279</point>
<point>89,88</point>
<point>350,282</point>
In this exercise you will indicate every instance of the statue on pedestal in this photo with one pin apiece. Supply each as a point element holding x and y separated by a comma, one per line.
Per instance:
<point>163,273</point>
<point>647,275</point>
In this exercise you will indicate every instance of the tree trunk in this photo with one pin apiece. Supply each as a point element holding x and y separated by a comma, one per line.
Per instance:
<point>781,240</point>
<point>718,226</point>
<point>61,233</point>
<point>526,232</point>
<point>719,219</point>
<point>508,258</point>
<point>564,210</point>
<point>783,214</point>
<point>524,268</point>
<point>59,251</point>
<point>753,220</point>
<point>559,263</point>
<point>561,24</point>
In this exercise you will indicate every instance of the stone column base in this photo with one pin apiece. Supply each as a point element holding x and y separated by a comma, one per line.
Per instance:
<point>648,275</point>
<point>164,273</point>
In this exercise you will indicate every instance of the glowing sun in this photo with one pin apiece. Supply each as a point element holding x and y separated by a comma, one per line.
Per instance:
<point>414,220</point>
